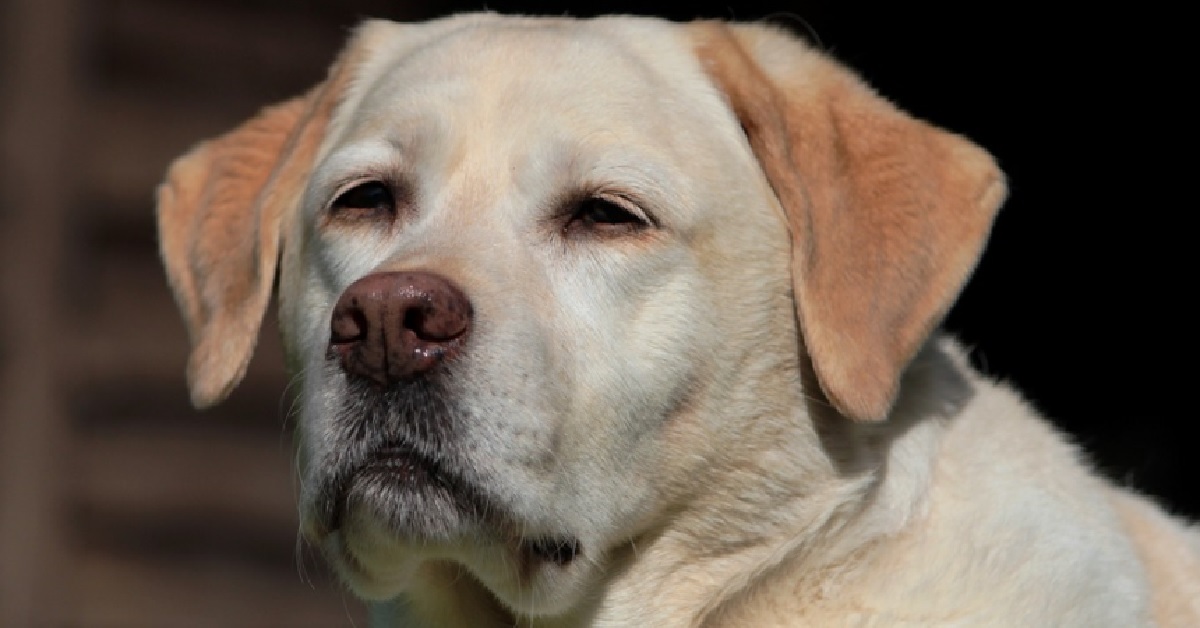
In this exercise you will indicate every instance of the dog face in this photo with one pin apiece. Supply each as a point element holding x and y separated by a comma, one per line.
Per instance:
<point>565,239</point>
<point>543,281</point>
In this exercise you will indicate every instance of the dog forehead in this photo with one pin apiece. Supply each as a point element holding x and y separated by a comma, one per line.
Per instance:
<point>488,73</point>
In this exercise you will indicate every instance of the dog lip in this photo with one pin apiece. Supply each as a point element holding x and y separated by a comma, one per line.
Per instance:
<point>559,551</point>
<point>393,463</point>
<point>406,463</point>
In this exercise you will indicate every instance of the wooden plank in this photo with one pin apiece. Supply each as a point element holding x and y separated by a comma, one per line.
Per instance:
<point>126,330</point>
<point>132,135</point>
<point>218,53</point>
<point>39,51</point>
<point>119,592</point>
<point>221,477</point>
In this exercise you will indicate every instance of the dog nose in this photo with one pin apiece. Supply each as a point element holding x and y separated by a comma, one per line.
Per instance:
<point>395,326</point>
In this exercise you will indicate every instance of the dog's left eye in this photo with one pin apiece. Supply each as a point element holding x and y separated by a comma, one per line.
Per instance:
<point>371,200</point>
<point>601,215</point>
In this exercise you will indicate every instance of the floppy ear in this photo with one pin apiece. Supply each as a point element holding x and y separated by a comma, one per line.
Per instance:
<point>887,214</point>
<point>221,215</point>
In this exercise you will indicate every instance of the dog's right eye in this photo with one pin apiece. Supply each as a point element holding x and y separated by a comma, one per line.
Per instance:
<point>605,216</point>
<point>370,200</point>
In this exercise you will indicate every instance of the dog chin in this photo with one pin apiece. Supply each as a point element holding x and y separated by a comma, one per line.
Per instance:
<point>399,514</point>
<point>369,565</point>
<point>379,551</point>
<point>389,521</point>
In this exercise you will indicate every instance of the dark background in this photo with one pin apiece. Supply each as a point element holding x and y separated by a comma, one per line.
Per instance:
<point>120,506</point>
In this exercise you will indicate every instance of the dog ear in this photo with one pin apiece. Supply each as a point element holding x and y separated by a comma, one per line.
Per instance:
<point>221,215</point>
<point>887,214</point>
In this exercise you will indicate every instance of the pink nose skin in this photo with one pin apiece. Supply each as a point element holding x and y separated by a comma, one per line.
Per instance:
<point>388,327</point>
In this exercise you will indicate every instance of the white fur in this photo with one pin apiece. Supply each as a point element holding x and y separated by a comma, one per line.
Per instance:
<point>648,398</point>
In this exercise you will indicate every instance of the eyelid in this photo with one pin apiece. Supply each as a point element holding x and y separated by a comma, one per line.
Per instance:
<point>626,203</point>
<point>351,182</point>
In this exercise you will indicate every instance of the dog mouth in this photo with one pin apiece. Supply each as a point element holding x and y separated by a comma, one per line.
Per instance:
<point>400,465</point>
<point>556,551</point>
<point>401,495</point>
<point>396,474</point>
<point>412,492</point>
<point>401,479</point>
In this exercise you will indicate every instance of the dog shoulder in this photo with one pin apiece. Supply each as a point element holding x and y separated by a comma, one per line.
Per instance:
<point>1174,575</point>
<point>1017,512</point>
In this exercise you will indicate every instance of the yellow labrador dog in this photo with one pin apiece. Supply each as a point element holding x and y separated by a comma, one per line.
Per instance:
<point>621,322</point>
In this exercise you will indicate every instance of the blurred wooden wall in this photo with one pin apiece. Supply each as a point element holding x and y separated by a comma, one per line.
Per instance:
<point>120,506</point>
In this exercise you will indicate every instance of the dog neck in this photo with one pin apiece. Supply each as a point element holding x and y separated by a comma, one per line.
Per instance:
<point>814,500</point>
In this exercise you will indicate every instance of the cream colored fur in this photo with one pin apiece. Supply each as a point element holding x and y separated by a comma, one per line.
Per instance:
<point>653,395</point>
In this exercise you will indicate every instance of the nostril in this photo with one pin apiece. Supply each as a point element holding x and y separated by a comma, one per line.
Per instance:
<point>437,320</point>
<point>349,324</point>
<point>414,319</point>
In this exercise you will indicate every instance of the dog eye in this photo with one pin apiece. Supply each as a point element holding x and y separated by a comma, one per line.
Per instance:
<point>366,201</point>
<point>600,215</point>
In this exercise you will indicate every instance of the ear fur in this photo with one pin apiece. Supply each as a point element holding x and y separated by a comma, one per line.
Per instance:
<point>221,215</point>
<point>888,215</point>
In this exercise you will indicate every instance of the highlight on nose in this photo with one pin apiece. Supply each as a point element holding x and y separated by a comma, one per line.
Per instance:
<point>393,326</point>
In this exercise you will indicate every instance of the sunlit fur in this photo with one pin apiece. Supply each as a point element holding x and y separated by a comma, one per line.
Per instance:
<point>648,395</point>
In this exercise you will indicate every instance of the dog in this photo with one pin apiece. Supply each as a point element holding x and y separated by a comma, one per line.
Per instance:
<point>623,322</point>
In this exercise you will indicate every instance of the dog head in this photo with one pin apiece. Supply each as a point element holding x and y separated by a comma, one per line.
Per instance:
<point>542,281</point>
